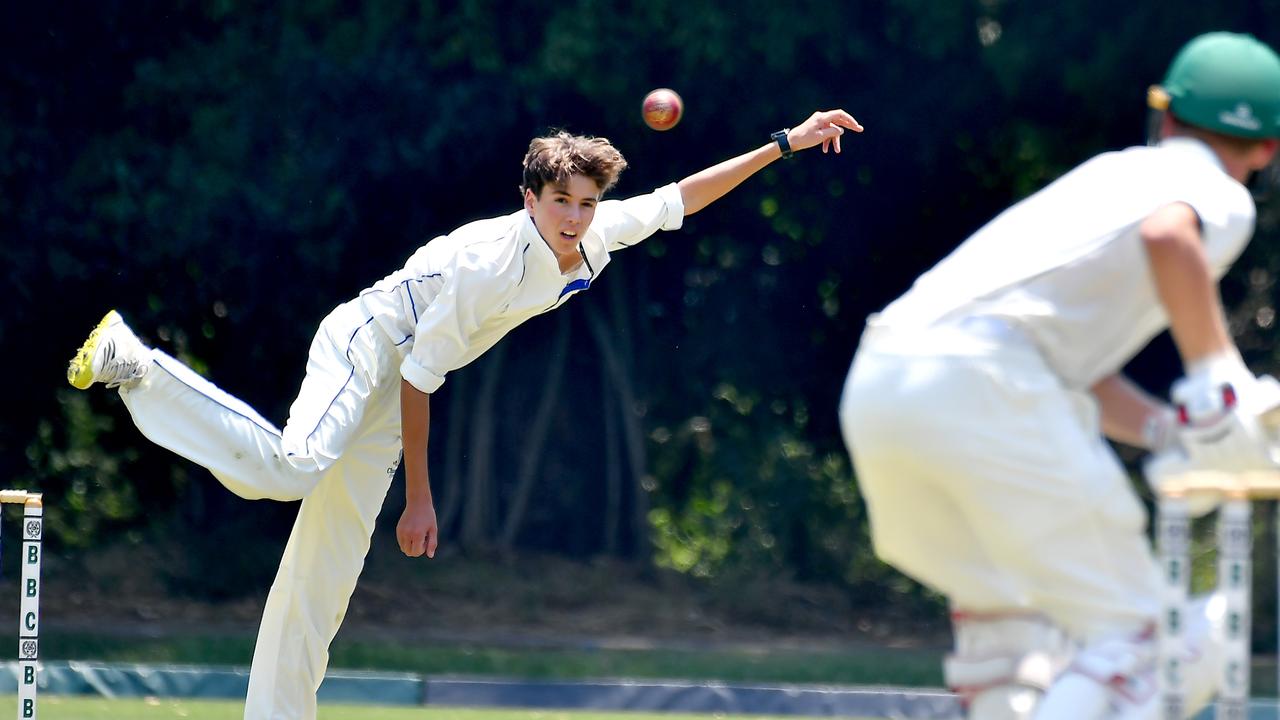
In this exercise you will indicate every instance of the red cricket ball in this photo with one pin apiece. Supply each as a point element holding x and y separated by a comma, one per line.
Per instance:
<point>662,109</point>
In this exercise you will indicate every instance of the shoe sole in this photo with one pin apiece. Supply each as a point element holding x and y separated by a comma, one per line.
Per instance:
<point>80,371</point>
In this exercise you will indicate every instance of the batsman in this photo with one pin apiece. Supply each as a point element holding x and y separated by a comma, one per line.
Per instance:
<point>978,404</point>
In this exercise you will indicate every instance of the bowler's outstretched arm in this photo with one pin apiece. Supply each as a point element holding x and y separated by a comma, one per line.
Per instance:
<point>823,127</point>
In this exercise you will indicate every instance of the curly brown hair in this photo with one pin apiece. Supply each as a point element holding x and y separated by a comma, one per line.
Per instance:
<point>554,158</point>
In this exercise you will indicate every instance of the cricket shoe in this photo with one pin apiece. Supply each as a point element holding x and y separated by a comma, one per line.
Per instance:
<point>112,355</point>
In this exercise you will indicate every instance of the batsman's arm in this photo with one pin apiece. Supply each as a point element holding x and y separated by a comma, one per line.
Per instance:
<point>1185,283</point>
<point>703,188</point>
<point>416,532</point>
<point>1131,416</point>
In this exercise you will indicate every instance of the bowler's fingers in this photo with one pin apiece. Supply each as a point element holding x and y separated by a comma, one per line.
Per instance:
<point>829,125</point>
<point>431,541</point>
<point>830,137</point>
<point>841,118</point>
<point>409,545</point>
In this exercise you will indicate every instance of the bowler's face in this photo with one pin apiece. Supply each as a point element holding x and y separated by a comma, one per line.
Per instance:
<point>562,213</point>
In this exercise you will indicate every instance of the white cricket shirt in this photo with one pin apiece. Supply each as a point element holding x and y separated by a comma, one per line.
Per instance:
<point>1067,267</point>
<point>461,292</point>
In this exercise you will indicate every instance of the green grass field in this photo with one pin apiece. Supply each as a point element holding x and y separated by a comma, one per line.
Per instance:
<point>55,707</point>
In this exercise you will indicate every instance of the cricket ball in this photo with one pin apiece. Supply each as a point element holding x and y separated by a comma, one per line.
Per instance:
<point>662,109</point>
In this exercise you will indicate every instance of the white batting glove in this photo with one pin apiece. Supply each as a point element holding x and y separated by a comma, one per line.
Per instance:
<point>1218,427</point>
<point>1219,405</point>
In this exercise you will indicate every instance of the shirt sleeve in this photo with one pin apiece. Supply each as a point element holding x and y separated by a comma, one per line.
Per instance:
<point>1227,216</point>
<point>623,223</point>
<point>472,293</point>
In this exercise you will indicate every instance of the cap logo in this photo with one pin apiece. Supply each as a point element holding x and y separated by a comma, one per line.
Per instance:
<point>1242,117</point>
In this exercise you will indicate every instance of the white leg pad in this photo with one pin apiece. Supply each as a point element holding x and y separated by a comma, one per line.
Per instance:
<point>1115,679</point>
<point>1003,663</point>
<point>1110,679</point>
<point>1077,697</point>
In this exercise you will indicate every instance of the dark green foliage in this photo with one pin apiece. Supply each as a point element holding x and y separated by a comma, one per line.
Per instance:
<point>226,172</point>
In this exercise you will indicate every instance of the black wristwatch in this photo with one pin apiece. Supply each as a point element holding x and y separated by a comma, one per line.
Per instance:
<point>780,137</point>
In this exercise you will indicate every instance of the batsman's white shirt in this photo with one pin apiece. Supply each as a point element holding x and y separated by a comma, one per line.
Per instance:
<point>455,298</point>
<point>967,412</point>
<point>1067,266</point>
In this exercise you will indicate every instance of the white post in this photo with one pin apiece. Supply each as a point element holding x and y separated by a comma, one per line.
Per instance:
<point>1235,570</point>
<point>29,615</point>
<point>1174,540</point>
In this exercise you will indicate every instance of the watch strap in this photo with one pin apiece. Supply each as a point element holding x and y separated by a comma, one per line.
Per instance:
<point>784,145</point>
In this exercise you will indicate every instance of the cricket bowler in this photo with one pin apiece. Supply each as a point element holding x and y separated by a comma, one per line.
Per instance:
<point>978,404</point>
<point>371,370</point>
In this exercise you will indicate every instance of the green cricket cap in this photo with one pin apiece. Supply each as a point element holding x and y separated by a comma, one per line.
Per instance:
<point>1225,82</point>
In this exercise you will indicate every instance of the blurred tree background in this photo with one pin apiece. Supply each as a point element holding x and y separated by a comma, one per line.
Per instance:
<point>226,172</point>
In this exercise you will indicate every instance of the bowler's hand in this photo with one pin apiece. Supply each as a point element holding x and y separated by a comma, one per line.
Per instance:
<point>825,127</point>
<point>416,531</point>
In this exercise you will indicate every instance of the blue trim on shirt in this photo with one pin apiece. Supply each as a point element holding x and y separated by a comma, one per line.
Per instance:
<point>307,442</point>
<point>579,284</point>
<point>413,306</point>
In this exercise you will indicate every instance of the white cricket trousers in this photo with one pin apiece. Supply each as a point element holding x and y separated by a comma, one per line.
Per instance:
<point>338,452</point>
<point>989,481</point>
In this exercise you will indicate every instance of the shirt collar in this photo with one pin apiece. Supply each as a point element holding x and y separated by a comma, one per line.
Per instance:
<point>538,247</point>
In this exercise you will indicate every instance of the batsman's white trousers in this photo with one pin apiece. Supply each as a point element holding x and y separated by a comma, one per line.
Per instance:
<point>990,482</point>
<point>337,454</point>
